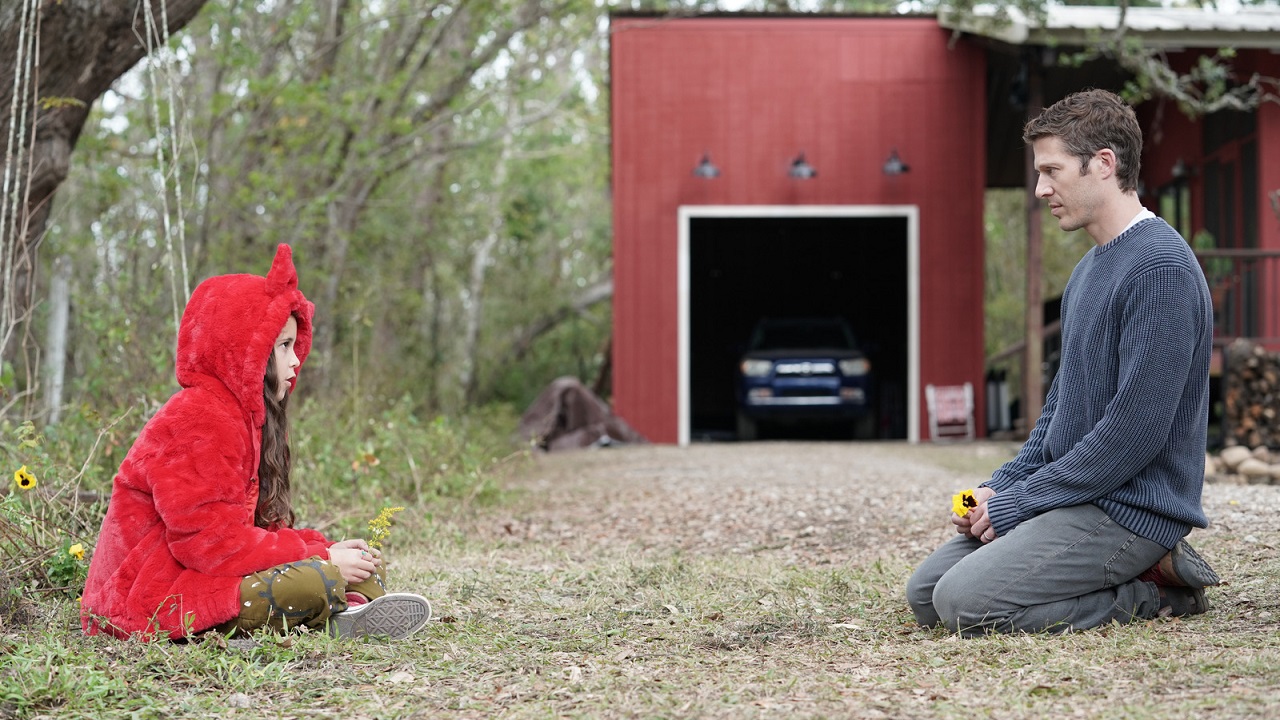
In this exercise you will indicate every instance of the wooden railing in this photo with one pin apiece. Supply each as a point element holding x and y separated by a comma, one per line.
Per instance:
<point>1245,285</point>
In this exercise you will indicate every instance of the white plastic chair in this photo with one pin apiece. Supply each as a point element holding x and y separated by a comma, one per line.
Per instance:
<point>950,411</point>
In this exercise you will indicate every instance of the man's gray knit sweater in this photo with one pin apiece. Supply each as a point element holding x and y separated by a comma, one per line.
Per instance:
<point>1125,420</point>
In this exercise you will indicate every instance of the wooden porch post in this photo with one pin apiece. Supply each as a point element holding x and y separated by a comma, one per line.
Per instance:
<point>1032,383</point>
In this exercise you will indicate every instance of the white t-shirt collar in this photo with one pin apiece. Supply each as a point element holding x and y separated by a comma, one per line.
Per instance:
<point>1144,214</point>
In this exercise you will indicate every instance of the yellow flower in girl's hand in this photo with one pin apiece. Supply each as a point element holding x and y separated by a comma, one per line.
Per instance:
<point>380,527</point>
<point>963,501</point>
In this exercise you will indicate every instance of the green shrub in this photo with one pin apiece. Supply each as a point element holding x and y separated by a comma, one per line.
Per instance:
<point>44,525</point>
<point>345,473</point>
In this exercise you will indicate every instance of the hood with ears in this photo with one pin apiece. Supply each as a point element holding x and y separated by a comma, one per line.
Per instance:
<point>230,326</point>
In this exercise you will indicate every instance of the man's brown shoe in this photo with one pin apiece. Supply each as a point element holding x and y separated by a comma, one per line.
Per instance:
<point>1181,567</point>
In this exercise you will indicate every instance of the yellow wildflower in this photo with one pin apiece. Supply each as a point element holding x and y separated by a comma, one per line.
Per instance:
<point>380,527</point>
<point>24,479</point>
<point>963,501</point>
<point>76,551</point>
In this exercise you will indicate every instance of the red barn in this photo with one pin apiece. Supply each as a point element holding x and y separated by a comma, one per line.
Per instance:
<point>837,165</point>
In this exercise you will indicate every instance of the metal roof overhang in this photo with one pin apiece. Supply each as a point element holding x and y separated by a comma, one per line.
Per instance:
<point>1157,28</point>
<point>1012,39</point>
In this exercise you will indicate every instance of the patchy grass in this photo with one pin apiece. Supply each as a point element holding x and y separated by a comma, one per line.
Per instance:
<point>980,459</point>
<point>567,623</point>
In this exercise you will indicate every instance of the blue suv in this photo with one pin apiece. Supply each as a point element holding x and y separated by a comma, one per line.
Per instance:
<point>804,369</point>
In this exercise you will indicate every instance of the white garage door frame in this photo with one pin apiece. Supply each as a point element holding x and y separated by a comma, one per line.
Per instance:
<point>687,213</point>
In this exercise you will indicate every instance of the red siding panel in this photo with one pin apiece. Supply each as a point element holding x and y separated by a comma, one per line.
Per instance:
<point>753,92</point>
<point>1268,182</point>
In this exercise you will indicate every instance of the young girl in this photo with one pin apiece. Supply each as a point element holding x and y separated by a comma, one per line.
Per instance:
<point>199,531</point>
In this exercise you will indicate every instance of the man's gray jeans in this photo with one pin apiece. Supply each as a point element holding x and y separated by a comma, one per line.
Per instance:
<point>1067,569</point>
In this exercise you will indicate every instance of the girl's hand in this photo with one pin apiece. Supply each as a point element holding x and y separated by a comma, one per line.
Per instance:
<point>355,559</point>
<point>352,563</point>
<point>360,544</point>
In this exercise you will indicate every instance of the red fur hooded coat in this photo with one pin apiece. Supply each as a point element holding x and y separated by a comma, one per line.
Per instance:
<point>179,534</point>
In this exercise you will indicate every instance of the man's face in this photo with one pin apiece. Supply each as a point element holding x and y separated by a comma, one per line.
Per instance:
<point>1074,197</point>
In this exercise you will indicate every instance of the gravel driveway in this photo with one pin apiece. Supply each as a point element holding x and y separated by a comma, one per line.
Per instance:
<point>814,502</point>
<point>766,580</point>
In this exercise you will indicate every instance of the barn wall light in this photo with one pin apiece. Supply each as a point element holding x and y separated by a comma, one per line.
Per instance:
<point>802,170</point>
<point>705,169</point>
<point>894,165</point>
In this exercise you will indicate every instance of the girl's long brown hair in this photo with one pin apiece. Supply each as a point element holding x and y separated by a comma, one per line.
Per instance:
<point>274,507</point>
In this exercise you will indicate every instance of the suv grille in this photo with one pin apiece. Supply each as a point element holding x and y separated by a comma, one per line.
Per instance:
<point>805,368</point>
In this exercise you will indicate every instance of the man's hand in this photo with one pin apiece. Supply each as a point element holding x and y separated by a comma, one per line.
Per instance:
<point>976,524</point>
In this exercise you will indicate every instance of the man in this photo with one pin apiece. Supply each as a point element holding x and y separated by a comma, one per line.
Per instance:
<point>1084,527</point>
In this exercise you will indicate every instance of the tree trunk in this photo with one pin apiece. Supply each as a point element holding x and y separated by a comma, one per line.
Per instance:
<point>80,48</point>
<point>56,337</point>
<point>474,305</point>
<point>430,321</point>
<point>592,295</point>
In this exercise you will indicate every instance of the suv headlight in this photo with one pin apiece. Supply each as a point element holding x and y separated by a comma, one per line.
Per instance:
<point>855,367</point>
<point>756,368</point>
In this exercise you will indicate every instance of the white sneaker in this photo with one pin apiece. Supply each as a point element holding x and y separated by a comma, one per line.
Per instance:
<point>394,616</point>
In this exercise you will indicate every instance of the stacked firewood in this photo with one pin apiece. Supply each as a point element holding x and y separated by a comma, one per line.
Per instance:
<point>1251,396</point>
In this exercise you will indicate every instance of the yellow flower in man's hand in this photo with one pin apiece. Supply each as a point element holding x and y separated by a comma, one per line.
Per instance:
<point>963,501</point>
<point>24,479</point>
<point>76,551</point>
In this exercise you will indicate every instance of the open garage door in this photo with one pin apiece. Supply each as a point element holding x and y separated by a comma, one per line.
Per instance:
<point>741,264</point>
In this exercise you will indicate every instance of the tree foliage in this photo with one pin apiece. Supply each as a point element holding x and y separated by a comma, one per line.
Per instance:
<point>441,172</point>
<point>63,55</point>
<point>1005,228</point>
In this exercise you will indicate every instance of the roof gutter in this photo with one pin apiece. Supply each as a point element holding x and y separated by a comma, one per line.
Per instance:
<point>1156,28</point>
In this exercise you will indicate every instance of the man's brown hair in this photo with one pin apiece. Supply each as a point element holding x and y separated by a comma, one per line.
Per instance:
<point>1089,121</point>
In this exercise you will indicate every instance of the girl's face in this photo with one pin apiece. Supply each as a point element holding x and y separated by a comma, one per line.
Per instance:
<point>285,358</point>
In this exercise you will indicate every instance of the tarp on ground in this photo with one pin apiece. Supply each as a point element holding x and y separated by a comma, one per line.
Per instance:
<point>567,416</point>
